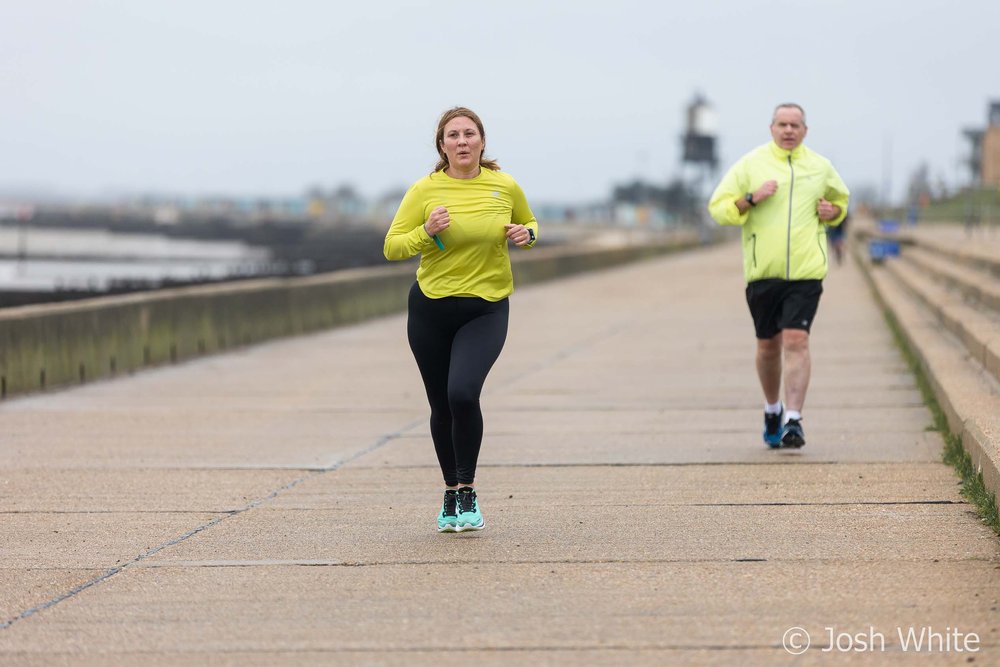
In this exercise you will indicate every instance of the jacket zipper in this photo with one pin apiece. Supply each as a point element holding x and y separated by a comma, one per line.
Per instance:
<point>788,246</point>
<point>753,249</point>
<point>822,249</point>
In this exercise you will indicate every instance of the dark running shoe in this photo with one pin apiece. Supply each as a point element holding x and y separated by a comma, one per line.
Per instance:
<point>792,434</point>
<point>772,429</point>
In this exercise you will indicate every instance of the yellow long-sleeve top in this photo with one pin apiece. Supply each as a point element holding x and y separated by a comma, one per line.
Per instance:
<point>475,261</point>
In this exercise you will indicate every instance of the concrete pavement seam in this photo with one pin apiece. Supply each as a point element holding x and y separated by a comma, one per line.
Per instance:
<point>550,561</point>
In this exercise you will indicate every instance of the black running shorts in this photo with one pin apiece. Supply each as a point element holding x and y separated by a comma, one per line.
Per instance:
<point>783,304</point>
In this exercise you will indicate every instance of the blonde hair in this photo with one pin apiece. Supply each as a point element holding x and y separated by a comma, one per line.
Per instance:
<point>447,117</point>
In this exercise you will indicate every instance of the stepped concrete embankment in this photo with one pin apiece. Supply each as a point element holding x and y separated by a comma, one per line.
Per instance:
<point>943,289</point>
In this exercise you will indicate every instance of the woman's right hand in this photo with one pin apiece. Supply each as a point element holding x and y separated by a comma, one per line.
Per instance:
<point>437,222</point>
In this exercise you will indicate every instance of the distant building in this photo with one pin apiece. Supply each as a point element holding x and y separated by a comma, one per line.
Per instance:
<point>338,206</point>
<point>984,161</point>
<point>991,147</point>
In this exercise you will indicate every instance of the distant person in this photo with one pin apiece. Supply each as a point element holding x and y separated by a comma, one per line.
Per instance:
<point>782,194</point>
<point>836,235</point>
<point>460,219</point>
<point>972,218</point>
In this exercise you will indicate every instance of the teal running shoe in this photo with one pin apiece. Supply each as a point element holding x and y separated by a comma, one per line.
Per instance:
<point>448,518</point>
<point>469,517</point>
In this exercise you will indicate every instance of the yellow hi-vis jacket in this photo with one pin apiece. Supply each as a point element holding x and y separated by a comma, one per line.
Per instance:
<point>783,236</point>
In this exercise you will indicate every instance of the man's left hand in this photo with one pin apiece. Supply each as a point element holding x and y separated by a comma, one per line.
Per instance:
<point>826,210</point>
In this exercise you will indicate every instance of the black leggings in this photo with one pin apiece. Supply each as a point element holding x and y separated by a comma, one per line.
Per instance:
<point>455,341</point>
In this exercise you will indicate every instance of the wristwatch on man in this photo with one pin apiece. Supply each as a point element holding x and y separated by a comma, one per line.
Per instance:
<point>531,236</point>
<point>749,198</point>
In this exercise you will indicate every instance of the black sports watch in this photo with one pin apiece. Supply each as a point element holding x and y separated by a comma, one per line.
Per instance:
<point>531,236</point>
<point>749,198</point>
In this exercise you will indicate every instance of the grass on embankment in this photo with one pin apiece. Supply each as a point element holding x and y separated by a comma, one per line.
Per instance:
<point>973,488</point>
<point>981,205</point>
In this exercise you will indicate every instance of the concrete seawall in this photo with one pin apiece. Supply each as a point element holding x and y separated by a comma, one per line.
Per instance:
<point>63,344</point>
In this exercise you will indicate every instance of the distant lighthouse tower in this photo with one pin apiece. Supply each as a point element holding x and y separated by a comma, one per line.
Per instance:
<point>698,158</point>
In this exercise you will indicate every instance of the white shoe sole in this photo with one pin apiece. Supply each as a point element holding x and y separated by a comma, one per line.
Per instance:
<point>468,526</point>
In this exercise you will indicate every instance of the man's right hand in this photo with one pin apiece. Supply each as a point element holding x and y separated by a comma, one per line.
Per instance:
<point>765,191</point>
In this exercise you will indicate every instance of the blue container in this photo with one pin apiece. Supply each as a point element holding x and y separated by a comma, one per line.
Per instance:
<point>879,249</point>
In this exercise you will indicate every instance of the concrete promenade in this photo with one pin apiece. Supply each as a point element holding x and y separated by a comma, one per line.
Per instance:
<point>276,505</point>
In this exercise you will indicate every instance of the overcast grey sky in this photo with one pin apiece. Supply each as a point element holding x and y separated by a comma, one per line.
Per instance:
<point>252,97</point>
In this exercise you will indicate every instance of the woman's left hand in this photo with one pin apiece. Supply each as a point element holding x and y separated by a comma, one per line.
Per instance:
<point>518,234</point>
